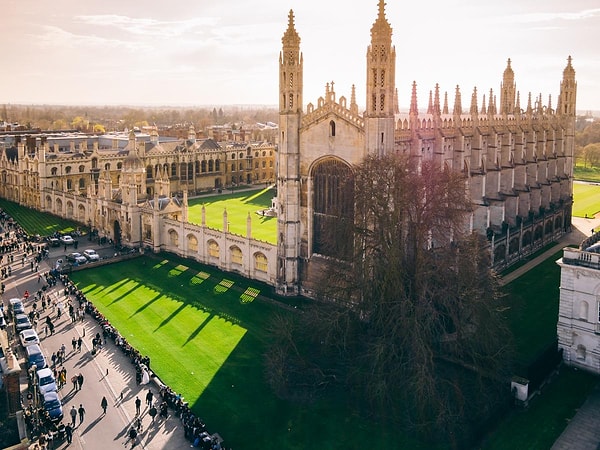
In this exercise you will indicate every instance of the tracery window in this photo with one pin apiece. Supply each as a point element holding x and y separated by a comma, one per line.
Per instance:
<point>333,213</point>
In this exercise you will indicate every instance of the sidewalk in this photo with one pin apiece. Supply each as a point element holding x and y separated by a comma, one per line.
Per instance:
<point>109,373</point>
<point>582,228</point>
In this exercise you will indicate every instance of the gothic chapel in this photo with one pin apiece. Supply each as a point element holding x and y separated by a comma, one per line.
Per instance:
<point>518,162</point>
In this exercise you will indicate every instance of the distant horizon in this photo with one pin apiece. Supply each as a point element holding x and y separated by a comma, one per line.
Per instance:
<point>112,52</point>
<point>579,111</point>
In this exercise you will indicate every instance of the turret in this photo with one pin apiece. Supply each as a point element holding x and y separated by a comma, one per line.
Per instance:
<point>288,181</point>
<point>507,91</point>
<point>381,87</point>
<point>568,91</point>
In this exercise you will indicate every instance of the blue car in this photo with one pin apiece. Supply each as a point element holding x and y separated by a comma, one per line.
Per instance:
<point>53,406</point>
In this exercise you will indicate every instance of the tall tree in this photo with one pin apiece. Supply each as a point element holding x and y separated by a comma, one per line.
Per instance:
<point>411,321</point>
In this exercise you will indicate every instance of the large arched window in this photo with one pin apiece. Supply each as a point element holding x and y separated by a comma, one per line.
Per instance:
<point>236,255</point>
<point>192,243</point>
<point>261,263</point>
<point>213,249</point>
<point>333,212</point>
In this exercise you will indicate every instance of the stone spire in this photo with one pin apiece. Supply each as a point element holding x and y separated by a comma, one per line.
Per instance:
<point>381,87</point>
<point>473,109</point>
<point>290,70</point>
<point>436,100</point>
<point>430,103</point>
<point>414,110</point>
<point>568,91</point>
<point>353,105</point>
<point>445,107</point>
<point>457,102</point>
<point>483,107</point>
<point>529,108</point>
<point>507,91</point>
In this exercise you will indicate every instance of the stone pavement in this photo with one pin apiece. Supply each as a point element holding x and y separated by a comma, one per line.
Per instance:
<point>583,431</point>
<point>109,373</point>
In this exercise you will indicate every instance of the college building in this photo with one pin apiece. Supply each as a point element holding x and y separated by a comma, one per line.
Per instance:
<point>516,155</point>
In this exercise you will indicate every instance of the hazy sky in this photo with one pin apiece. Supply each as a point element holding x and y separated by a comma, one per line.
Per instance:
<point>219,52</point>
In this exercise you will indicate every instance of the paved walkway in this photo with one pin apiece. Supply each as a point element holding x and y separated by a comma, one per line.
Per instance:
<point>108,374</point>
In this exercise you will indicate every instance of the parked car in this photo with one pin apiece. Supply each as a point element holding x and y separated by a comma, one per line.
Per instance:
<point>35,357</point>
<point>67,240</point>
<point>28,337</point>
<point>54,242</point>
<point>22,322</point>
<point>45,381</point>
<point>53,406</point>
<point>16,304</point>
<point>76,258</point>
<point>91,254</point>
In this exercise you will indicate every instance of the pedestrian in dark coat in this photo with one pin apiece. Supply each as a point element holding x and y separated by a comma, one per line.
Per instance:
<point>81,411</point>
<point>138,405</point>
<point>104,404</point>
<point>69,433</point>
<point>80,380</point>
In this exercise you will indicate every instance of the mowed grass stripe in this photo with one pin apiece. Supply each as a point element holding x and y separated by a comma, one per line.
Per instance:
<point>238,206</point>
<point>171,331</point>
<point>586,199</point>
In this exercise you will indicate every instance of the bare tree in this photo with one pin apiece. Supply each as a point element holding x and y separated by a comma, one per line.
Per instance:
<point>411,323</point>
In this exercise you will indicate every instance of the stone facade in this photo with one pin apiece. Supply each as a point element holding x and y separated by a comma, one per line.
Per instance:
<point>578,327</point>
<point>517,162</point>
<point>137,194</point>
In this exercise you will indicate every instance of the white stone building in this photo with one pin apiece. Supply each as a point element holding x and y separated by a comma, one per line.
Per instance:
<point>578,327</point>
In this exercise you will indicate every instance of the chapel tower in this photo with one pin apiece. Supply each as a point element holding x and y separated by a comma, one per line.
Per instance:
<point>288,181</point>
<point>508,91</point>
<point>381,87</point>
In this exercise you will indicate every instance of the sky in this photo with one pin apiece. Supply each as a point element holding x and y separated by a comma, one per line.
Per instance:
<point>225,52</point>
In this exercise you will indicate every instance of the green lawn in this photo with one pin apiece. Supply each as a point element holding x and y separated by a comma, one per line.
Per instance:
<point>538,426</point>
<point>586,199</point>
<point>238,206</point>
<point>205,334</point>
<point>586,173</point>
<point>35,222</point>
<point>531,306</point>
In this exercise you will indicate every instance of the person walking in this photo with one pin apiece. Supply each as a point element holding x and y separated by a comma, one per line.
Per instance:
<point>81,411</point>
<point>69,433</point>
<point>104,405</point>
<point>80,380</point>
<point>73,416</point>
<point>149,397</point>
<point>152,412</point>
<point>138,405</point>
<point>74,343</point>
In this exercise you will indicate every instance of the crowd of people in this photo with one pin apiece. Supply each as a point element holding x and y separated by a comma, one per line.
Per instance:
<point>14,241</point>
<point>194,428</point>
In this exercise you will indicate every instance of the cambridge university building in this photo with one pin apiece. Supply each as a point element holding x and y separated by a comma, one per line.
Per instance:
<point>516,155</point>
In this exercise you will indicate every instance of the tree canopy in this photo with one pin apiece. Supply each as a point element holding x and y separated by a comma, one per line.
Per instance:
<point>409,323</point>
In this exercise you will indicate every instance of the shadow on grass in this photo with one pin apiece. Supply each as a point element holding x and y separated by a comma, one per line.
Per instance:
<point>171,316</point>
<point>146,305</point>
<point>107,290</point>
<point>198,329</point>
